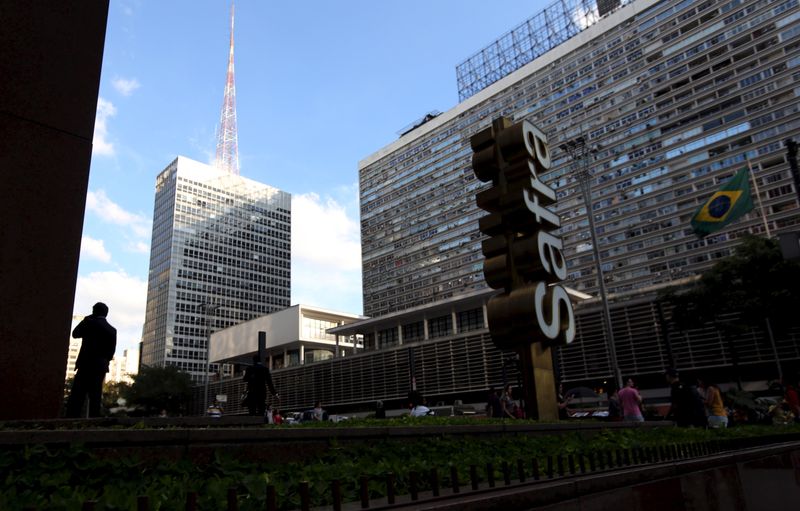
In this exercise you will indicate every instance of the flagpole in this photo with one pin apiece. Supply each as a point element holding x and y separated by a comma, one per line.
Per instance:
<point>758,195</point>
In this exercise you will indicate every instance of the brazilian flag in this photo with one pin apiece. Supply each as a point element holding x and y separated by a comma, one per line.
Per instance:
<point>726,205</point>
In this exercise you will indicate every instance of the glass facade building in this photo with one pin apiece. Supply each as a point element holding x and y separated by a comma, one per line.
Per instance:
<point>673,97</point>
<point>220,255</point>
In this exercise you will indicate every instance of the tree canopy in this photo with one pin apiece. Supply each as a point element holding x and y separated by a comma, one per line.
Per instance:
<point>161,388</point>
<point>755,282</point>
<point>113,391</point>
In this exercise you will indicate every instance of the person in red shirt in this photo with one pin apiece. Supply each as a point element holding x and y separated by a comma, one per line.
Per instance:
<point>631,402</point>
<point>792,399</point>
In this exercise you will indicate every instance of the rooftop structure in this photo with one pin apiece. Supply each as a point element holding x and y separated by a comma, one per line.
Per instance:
<point>227,157</point>
<point>531,39</point>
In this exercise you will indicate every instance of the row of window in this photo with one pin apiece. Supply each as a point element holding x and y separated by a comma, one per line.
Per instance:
<point>317,328</point>
<point>438,327</point>
<point>227,267</point>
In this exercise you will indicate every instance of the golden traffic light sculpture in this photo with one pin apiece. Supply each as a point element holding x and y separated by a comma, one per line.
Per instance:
<point>522,256</point>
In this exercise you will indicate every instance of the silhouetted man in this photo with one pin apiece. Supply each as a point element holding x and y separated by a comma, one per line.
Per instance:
<point>97,350</point>
<point>687,406</point>
<point>258,378</point>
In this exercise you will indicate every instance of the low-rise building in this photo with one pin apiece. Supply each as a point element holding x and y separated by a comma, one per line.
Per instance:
<point>444,350</point>
<point>287,340</point>
<point>293,336</point>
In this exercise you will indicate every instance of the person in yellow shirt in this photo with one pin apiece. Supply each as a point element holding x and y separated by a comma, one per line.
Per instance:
<point>717,415</point>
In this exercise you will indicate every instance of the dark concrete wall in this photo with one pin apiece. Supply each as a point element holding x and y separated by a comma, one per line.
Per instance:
<point>50,59</point>
<point>762,483</point>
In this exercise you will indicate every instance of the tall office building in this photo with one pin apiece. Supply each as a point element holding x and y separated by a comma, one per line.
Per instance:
<point>672,97</point>
<point>220,252</point>
<point>220,255</point>
<point>74,349</point>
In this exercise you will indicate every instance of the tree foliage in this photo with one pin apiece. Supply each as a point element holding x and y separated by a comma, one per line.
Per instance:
<point>114,391</point>
<point>755,282</point>
<point>161,388</point>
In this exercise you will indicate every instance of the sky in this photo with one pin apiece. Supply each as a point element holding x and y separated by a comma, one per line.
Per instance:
<point>320,85</point>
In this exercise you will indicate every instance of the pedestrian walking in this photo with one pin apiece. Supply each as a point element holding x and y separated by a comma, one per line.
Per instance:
<point>687,408</point>
<point>631,403</point>
<point>258,378</point>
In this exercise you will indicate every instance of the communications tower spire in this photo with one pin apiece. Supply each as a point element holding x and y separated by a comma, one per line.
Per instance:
<point>227,157</point>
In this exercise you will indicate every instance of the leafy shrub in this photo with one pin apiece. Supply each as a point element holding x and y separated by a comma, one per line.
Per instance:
<point>64,477</point>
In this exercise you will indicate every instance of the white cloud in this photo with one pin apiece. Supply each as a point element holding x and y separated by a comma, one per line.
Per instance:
<point>326,254</point>
<point>125,296</point>
<point>140,247</point>
<point>101,145</point>
<point>94,249</point>
<point>111,212</point>
<point>323,234</point>
<point>317,286</point>
<point>125,86</point>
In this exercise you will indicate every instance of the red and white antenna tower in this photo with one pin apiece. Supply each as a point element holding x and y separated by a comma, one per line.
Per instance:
<point>227,157</point>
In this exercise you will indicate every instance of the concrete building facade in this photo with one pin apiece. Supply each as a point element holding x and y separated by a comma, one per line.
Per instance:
<point>287,341</point>
<point>123,367</point>
<point>293,336</point>
<point>220,255</point>
<point>672,97</point>
<point>50,60</point>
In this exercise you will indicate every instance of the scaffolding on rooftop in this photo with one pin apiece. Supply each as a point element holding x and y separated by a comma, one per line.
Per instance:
<point>552,26</point>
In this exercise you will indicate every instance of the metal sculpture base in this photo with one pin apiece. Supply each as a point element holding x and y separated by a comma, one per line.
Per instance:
<point>538,376</point>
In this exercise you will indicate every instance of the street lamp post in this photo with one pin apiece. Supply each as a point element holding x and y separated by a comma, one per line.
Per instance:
<point>210,310</point>
<point>580,154</point>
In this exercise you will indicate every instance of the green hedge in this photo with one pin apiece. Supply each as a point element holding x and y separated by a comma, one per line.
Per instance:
<point>63,478</point>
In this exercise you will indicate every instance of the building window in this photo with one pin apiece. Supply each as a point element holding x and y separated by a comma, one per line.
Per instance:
<point>413,332</point>
<point>387,338</point>
<point>369,341</point>
<point>317,355</point>
<point>316,329</point>
<point>470,320</point>
<point>439,327</point>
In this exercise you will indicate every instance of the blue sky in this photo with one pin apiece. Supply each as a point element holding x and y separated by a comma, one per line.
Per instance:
<point>320,85</point>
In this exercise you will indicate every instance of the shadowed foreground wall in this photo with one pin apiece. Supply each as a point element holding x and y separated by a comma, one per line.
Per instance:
<point>50,59</point>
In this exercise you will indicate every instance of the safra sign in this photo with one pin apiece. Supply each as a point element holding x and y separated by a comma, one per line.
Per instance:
<point>523,257</point>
